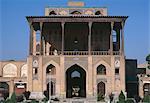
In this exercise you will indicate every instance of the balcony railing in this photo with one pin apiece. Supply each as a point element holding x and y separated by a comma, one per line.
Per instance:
<point>75,52</point>
<point>100,53</point>
<point>83,53</point>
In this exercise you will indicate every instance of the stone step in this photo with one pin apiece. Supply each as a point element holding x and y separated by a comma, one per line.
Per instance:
<point>87,100</point>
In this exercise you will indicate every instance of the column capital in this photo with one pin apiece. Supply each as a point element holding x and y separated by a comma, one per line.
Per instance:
<point>31,26</point>
<point>122,24</point>
<point>90,24</point>
<point>30,23</point>
<point>112,25</point>
<point>41,25</point>
<point>62,23</point>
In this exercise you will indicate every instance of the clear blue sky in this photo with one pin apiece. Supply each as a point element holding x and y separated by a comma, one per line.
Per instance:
<point>14,29</point>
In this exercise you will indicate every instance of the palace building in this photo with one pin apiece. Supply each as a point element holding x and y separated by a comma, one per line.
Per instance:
<point>74,51</point>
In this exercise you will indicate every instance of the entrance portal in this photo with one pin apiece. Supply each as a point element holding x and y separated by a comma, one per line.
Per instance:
<point>75,82</point>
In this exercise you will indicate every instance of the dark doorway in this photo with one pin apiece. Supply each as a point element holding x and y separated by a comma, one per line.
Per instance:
<point>101,88</point>
<point>4,89</point>
<point>75,82</point>
<point>51,88</point>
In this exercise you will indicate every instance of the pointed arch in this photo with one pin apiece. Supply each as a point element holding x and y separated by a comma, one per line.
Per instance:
<point>101,70</point>
<point>71,64</point>
<point>76,13</point>
<point>10,70</point>
<point>52,13</point>
<point>51,62</point>
<point>75,83</point>
<point>57,75</point>
<point>51,69</point>
<point>103,63</point>
<point>75,74</point>
<point>98,13</point>
<point>24,70</point>
<point>107,66</point>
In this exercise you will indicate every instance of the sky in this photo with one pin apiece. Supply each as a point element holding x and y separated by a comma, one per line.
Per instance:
<point>14,28</point>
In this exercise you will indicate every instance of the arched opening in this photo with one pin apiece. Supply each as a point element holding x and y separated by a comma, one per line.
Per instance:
<point>146,89</point>
<point>97,13</point>
<point>51,70</point>
<point>24,70</point>
<point>4,89</point>
<point>114,36</point>
<point>75,13</point>
<point>51,88</point>
<point>37,47</point>
<point>50,81</point>
<point>10,70</point>
<point>38,37</point>
<point>101,88</point>
<point>101,70</point>
<point>52,13</point>
<point>75,82</point>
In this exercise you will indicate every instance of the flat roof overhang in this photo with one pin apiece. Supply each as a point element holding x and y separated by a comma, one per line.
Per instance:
<point>76,18</point>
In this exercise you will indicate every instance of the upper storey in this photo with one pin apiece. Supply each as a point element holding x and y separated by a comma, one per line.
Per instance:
<point>76,30</point>
<point>75,7</point>
<point>75,11</point>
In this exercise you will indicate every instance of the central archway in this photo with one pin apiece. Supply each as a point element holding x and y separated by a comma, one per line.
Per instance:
<point>75,82</point>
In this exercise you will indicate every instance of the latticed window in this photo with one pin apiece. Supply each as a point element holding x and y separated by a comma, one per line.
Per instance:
<point>101,70</point>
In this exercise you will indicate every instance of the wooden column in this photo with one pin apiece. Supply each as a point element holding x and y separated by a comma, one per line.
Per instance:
<point>47,45</point>
<point>118,38</point>
<point>89,37</point>
<point>122,38</point>
<point>111,39</point>
<point>41,43</point>
<point>44,48</point>
<point>62,49</point>
<point>34,42</point>
<point>31,40</point>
